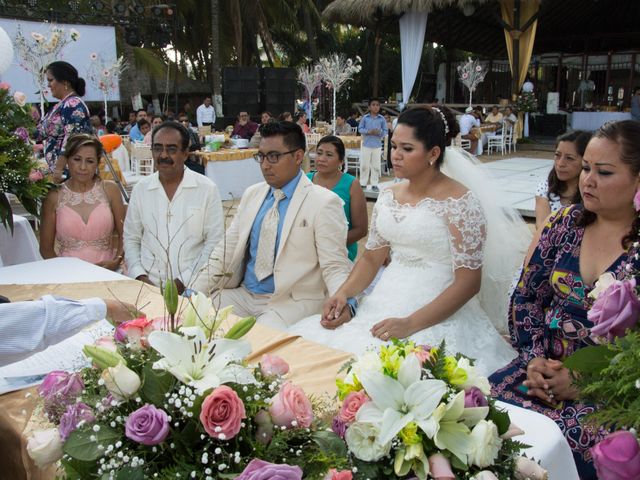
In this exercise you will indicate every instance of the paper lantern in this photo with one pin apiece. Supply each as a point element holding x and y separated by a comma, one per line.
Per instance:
<point>6,51</point>
<point>110,142</point>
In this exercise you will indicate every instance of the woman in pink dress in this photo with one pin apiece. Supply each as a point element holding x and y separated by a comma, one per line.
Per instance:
<point>83,214</point>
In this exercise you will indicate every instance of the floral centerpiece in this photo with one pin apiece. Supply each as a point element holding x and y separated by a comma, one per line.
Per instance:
<point>336,70</point>
<point>413,411</point>
<point>608,374</point>
<point>167,401</point>
<point>20,173</point>
<point>471,74</point>
<point>105,75</point>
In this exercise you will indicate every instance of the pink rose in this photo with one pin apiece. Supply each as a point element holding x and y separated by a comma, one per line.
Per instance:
<point>334,474</point>
<point>351,405</point>
<point>35,176</point>
<point>222,413</point>
<point>135,332</point>
<point>291,405</point>
<point>272,365</point>
<point>440,467</point>
<point>107,342</point>
<point>424,354</point>
<point>617,457</point>
<point>5,86</point>
<point>615,310</point>
<point>20,98</point>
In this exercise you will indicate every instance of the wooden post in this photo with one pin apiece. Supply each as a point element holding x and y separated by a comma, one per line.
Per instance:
<point>607,80</point>
<point>631,77</point>
<point>515,68</point>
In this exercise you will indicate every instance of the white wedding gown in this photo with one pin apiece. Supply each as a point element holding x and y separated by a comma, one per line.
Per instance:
<point>428,242</point>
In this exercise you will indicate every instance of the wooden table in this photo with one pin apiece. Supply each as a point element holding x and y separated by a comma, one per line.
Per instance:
<point>350,141</point>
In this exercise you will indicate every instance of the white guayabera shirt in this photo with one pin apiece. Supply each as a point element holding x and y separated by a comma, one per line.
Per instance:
<point>184,230</point>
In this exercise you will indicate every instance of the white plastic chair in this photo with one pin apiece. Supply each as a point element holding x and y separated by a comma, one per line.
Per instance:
<point>497,140</point>
<point>509,137</point>
<point>354,130</point>
<point>312,143</point>
<point>352,161</point>
<point>462,142</point>
<point>141,159</point>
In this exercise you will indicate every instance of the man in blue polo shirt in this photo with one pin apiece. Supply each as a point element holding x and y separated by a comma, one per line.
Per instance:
<point>373,129</point>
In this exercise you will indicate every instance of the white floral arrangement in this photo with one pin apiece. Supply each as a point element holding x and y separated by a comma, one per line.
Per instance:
<point>412,411</point>
<point>336,70</point>
<point>105,74</point>
<point>471,74</point>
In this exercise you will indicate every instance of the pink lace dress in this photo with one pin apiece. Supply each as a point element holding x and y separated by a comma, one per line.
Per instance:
<point>84,224</point>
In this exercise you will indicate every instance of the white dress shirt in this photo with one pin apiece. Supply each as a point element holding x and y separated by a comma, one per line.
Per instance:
<point>28,327</point>
<point>205,114</point>
<point>185,230</point>
<point>467,122</point>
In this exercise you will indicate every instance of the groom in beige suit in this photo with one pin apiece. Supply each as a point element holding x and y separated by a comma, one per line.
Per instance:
<point>284,252</point>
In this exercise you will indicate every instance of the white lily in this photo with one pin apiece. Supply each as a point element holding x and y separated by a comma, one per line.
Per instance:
<point>395,403</point>
<point>198,363</point>
<point>447,430</point>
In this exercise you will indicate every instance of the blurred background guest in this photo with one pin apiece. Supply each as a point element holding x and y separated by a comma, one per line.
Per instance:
<point>329,174</point>
<point>285,117</point>
<point>155,121</point>
<point>244,127</point>
<point>98,128</point>
<point>85,212</point>
<point>135,134</point>
<point>70,115</point>
<point>206,114</point>
<point>265,117</point>
<point>560,189</point>
<point>342,127</point>
<point>301,119</point>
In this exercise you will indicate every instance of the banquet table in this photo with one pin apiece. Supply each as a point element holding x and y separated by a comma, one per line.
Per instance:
<point>592,121</point>
<point>56,270</point>
<point>313,367</point>
<point>350,141</point>
<point>20,247</point>
<point>232,170</point>
<point>483,131</point>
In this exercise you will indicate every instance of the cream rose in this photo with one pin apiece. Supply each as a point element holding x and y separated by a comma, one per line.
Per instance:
<point>20,98</point>
<point>45,447</point>
<point>486,444</point>
<point>121,382</point>
<point>362,440</point>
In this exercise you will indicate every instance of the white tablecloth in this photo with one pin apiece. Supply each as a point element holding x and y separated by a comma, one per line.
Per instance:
<point>549,446</point>
<point>592,121</point>
<point>22,246</point>
<point>234,176</point>
<point>57,270</point>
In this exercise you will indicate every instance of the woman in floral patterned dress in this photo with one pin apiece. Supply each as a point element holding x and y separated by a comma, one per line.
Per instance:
<point>549,306</point>
<point>69,115</point>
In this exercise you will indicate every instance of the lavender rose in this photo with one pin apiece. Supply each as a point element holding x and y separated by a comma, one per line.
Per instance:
<point>58,390</point>
<point>261,470</point>
<point>617,457</point>
<point>475,398</point>
<point>338,426</point>
<point>615,310</point>
<point>22,134</point>
<point>76,413</point>
<point>148,425</point>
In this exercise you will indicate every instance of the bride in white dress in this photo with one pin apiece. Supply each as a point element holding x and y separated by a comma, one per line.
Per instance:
<point>435,230</point>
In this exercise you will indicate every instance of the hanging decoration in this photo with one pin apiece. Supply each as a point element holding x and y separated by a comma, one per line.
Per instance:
<point>310,79</point>
<point>471,74</point>
<point>36,51</point>
<point>336,70</point>
<point>105,75</point>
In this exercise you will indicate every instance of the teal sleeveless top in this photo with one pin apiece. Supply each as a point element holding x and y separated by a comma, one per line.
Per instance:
<point>343,190</point>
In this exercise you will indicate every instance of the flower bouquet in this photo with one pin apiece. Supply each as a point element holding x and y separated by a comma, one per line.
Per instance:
<point>413,411</point>
<point>167,401</point>
<point>20,173</point>
<point>608,374</point>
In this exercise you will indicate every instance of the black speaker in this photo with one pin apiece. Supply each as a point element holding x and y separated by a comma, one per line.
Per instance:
<point>553,125</point>
<point>241,90</point>
<point>278,90</point>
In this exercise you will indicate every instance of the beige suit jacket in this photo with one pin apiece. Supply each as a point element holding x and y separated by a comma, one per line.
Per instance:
<point>311,261</point>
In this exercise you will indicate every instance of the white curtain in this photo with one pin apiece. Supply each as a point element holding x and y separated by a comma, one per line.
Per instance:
<point>412,28</point>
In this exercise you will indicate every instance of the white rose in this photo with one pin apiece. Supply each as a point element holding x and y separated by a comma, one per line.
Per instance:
<point>484,475</point>
<point>604,281</point>
<point>20,98</point>
<point>474,379</point>
<point>369,362</point>
<point>362,440</point>
<point>529,470</point>
<point>485,444</point>
<point>45,447</point>
<point>121,382</point>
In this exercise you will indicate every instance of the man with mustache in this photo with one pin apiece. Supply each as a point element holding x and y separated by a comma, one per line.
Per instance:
<point>175,218</point>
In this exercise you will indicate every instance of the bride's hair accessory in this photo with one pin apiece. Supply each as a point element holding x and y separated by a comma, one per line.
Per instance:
<point>444,120</point>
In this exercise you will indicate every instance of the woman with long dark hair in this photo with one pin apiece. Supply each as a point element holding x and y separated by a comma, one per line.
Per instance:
<point>560,189</point>
<point>70,115</point>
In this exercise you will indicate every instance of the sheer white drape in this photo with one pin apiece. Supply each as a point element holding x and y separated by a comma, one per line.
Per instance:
<point>412,28</point>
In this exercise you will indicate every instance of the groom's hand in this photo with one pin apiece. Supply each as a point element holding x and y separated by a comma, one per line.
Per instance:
<point>331,322</point>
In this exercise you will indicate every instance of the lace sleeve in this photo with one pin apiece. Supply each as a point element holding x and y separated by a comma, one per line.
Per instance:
<point>467,231</point>
<point>375,240</point>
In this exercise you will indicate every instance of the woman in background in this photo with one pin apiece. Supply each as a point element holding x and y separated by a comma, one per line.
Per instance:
<point>70,115</point>
<point>560,189</point>
<point>329,174</point>
<point>84,213</point>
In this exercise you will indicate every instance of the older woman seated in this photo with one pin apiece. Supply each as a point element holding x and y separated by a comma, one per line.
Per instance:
<point>549,305</point>
<point>83,214</point>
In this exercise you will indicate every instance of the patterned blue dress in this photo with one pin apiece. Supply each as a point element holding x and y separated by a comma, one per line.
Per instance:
<point>549,319</point>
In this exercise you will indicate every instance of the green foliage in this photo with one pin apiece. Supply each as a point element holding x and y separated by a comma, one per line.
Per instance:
<point>611,379</point>
<point>17,160</point>
<point>527,102</point>
<point>155,383</point>
<point>83,443</point>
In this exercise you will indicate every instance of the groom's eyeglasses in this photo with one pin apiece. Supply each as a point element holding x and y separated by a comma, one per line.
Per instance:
<point>271,157</point>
